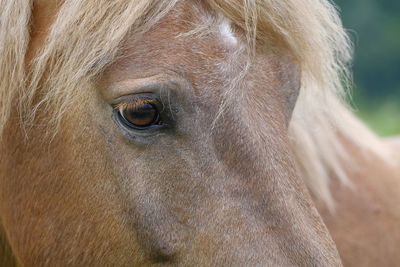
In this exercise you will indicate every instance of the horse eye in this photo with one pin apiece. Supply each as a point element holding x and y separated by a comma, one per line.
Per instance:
<point>139,114</point>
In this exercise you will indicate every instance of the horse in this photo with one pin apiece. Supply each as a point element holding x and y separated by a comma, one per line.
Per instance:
<point>187,132</point>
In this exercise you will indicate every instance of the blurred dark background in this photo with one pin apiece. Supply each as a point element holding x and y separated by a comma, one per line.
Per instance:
<point>374,27</point>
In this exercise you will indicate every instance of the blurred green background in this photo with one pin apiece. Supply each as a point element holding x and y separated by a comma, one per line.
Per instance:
<point>374,27</point>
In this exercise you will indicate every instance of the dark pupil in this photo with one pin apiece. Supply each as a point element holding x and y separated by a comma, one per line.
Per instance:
<point>141,115</point>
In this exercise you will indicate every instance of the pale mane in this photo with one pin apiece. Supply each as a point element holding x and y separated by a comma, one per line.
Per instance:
<point>87,36</point>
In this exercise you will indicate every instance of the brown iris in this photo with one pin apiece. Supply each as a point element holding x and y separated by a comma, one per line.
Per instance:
<point>139,113</point>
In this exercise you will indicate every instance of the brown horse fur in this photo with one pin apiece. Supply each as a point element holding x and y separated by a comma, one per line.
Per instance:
<point>365,226</point>
<point>211,192</point>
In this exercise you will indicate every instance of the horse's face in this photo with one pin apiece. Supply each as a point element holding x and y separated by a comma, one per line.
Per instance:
<point>143,171</point>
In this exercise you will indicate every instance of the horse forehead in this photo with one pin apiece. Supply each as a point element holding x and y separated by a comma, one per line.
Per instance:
<point>190,40</point>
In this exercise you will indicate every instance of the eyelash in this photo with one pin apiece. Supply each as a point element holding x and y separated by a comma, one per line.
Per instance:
<point>134,104</point>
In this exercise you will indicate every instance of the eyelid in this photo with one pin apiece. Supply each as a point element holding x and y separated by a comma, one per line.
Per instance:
<point>152,84</point>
